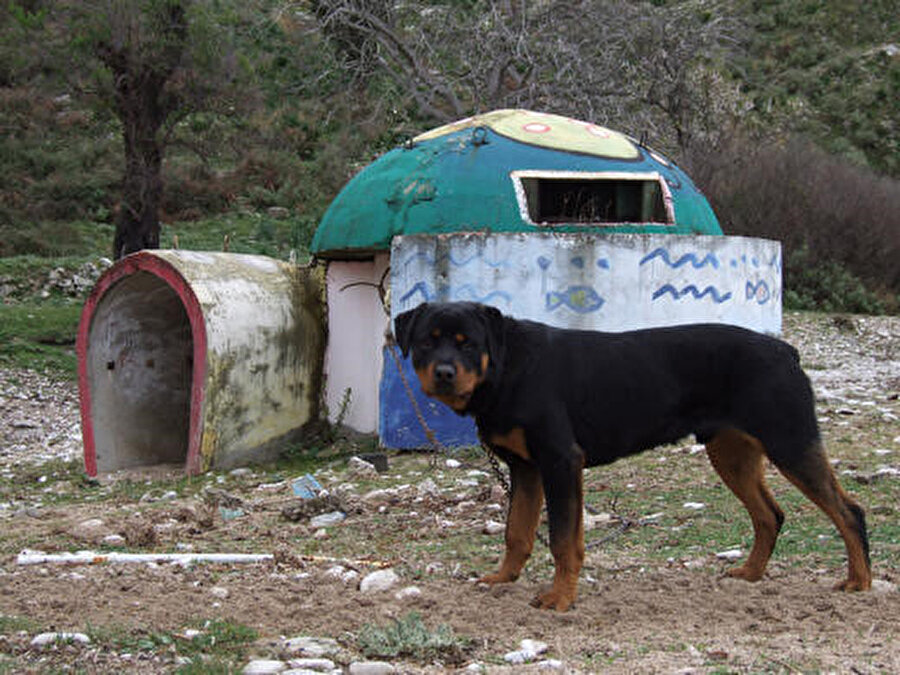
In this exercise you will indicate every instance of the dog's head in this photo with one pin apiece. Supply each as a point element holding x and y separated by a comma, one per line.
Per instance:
<point>456,347</point>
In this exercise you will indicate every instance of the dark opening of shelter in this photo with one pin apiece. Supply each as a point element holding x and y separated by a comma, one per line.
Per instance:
<point>553,200</point>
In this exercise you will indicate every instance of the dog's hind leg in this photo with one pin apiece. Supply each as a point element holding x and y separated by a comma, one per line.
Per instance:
<point>522,521</point>
<point>739,459</point>
<point>813,475</point>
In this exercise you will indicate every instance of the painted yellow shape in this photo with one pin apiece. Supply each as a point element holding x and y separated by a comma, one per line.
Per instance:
<point>554,132</point>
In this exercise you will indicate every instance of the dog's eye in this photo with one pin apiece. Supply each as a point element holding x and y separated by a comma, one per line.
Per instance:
<point>460,339</point>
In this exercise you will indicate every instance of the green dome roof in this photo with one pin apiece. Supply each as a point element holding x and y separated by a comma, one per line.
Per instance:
<point>512,171</point>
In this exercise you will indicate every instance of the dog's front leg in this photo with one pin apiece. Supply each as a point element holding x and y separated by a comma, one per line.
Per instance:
<point>562,478</point>
<point>526,499</point>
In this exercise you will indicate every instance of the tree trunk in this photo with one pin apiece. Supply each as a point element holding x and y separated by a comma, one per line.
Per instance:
<point>137,223</point>
<point>140,72</point>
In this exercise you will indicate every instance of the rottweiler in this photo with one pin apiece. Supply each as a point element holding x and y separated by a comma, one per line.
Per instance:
<point>550,402</point>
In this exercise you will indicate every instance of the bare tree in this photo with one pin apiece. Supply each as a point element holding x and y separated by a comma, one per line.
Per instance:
<point>162,63</point>
<point>639,67</point>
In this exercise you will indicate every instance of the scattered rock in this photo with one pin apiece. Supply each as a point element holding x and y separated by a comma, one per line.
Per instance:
<point>315,665</point>
<point>327,519</point>
<point>883,587</point>
<point>527,652</point>
<point>592,521</point>
<point>493,527</point>
<point>312,647</point>
<point>379,581</point>
<point>263,667</point>
<point>45,639</point>
<point>428,488</point>
<point>371,668</point>
<point>732,554</point>
<point>408,593</point>
<point>219,592</point>
<point>360,468</point>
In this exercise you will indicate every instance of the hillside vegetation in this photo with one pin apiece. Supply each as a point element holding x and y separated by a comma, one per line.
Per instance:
<point>786,112</point>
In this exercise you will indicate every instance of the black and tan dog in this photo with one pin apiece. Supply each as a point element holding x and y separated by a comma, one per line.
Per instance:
<point>550,402</point>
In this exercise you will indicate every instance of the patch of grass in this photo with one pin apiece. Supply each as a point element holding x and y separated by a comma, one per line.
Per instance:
<point>410,638</point>
<point>246,232</point>
<point>14,624</point>
<point>217,647</point>
<point>39,337</point>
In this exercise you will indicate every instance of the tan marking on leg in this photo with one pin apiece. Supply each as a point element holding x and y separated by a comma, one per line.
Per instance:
<point>568,558</point>
<point>817,481</point>
<point>521,524</point>
<point>739,459</point>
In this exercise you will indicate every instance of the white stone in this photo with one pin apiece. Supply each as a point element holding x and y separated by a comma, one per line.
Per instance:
<point>551,664</point>
<point>428,487</point>
<point>45,639</point>
<point>360,468</point>
<point>315,665</point>
<point>452,464</point>
<point>327,519</point>
<point>493,527</point>
<point>535,647</point>
<point>378,581</point>
<point>882,586</point>
<point>371,668</point>
<point>114,540</point>
<point>313,647</point>
<point>516,658</point>
<point>263,667</point>
<point>732,554</point>
<point>594,520</point>
<point>408,593</point>
<point>694,506</point>
<point>219,592</point>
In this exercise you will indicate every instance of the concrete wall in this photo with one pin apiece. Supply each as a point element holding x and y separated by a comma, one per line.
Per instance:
<point>357,322</point>
<point>205,359</point>
<point>610,283</point>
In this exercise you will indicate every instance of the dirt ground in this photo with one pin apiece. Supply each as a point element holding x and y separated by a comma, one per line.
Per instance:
<point>636,613</point>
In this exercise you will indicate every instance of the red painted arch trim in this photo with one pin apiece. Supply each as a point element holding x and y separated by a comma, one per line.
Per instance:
<point>144,261</point>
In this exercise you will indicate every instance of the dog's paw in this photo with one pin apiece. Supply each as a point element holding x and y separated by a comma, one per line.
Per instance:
<point>554,599</point>
<point>851,585</point>
<point>745,572</point>
<point>498,578</point>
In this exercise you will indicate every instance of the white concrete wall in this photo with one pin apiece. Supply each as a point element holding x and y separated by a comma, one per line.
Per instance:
<point>356,326</point>
<point>599,282</point>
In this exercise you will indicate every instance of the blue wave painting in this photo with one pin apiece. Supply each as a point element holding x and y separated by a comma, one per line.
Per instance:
<point>464,292</point>
<point>708,259</point>
<point>456,261</point>
<point>692,290</point>
<point>580,299</point>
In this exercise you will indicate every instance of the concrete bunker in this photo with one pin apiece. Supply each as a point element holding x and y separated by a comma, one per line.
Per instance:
<point>198,359</point>
<point>547,218</point>
<point>140,372</point>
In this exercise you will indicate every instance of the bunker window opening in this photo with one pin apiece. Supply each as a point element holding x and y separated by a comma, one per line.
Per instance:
<point>554,198</point>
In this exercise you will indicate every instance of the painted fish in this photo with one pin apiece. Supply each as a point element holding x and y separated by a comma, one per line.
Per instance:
<point>581,299</point>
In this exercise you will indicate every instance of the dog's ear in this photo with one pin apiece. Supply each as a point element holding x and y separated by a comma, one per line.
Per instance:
<point>404,325</point>
<point>495,323</point>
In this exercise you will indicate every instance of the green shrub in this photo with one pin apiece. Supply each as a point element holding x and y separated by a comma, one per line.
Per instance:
<point>825,285</point>
<point>408,637</point>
